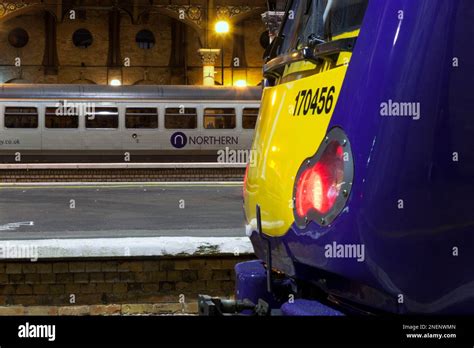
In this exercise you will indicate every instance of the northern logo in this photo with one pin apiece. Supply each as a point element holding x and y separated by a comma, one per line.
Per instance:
<point>179,140</point>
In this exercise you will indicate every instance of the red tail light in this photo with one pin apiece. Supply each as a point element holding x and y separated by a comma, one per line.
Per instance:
<point>319,186</point>
<point>324,181</point>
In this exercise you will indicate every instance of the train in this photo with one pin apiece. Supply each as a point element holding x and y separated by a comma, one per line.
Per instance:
<point>92,123</point>
<point>361,198</point>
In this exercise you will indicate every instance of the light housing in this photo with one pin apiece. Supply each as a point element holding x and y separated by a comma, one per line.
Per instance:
<point>324,181</point>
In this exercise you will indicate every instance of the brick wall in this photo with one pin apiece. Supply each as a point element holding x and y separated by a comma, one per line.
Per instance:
<point>120,175</point>
<point>91,63</point>
<point>132,286</point>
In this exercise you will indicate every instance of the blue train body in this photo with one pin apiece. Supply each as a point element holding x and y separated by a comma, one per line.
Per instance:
<point>412,199</point>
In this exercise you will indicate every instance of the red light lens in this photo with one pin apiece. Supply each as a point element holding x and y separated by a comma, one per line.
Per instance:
<point>319,186</point>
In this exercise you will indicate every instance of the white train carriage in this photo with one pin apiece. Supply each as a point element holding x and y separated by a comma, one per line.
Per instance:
<point>140,123</point>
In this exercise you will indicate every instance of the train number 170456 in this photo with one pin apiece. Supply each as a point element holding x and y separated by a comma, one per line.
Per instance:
<point>318,101</point>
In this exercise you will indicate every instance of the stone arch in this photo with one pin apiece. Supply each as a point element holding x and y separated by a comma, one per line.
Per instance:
<point>122,9</point>
<point>255,12</point>
<point>173,13</point>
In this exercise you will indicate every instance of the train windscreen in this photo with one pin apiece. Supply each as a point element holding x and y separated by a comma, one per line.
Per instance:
<point>309,22</point>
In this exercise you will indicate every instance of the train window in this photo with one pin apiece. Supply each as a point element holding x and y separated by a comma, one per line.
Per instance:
<point>18,38</point>
<point>181,118</point>
<point>21,117</point>
<point>249,118</point>
<point>145,39</point>
<point>309,24</point>
<point>289,28</point>
<point>82,38</point>
<point>348,15</point>
<point>102,118</point>
<point>53,120</point>
<point>141,118</point>
<point>219,118</point>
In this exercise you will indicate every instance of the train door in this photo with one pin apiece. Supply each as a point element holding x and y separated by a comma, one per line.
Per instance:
<point>60,127</point>
<point>141,127</point>
<point>103,128</point>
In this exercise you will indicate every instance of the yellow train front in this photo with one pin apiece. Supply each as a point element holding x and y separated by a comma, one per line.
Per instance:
<point>359,197</point>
